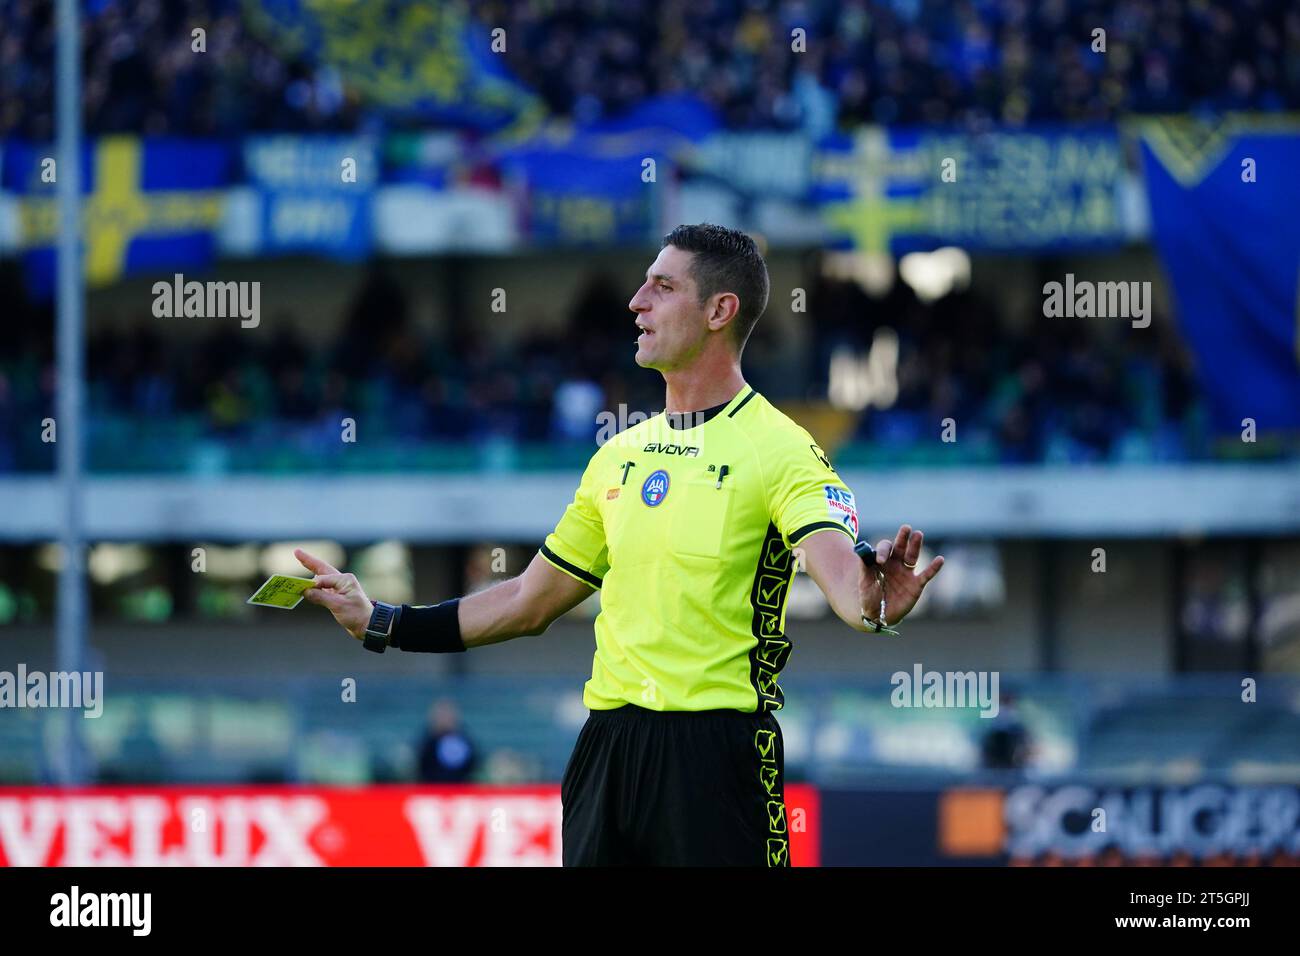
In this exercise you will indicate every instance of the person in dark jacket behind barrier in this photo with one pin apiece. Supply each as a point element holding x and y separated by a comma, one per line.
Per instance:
<point>446,753</point>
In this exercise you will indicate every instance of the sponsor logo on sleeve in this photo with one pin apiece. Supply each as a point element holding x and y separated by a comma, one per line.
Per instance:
<point>842,508</point>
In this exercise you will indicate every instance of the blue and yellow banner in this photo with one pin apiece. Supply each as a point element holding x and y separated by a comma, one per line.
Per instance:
<point>607,202</point>
<point>1225,216</point>
<point>902,190</point>
<point>603,182</point>
<point>315,193</point>
<point>149,205</point>
<point>422,60</point>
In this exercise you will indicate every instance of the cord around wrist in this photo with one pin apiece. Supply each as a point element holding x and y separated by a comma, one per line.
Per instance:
<point>878,626</point>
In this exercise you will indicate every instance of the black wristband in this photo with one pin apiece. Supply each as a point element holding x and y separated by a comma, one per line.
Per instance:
<point>430,629</point>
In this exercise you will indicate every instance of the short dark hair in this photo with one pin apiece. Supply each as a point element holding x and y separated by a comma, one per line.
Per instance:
<point>726,260</point>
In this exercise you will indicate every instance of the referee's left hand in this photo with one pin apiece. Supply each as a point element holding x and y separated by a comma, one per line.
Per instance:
<point>340,593</point>
<point>904,581</point>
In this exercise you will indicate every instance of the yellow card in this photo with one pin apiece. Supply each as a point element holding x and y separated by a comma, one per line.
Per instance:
<point>280,590</point>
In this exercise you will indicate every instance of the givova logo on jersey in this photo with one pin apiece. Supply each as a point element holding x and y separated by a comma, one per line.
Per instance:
<point>842,508</point>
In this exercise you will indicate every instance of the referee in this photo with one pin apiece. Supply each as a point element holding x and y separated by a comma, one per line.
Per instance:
<point>688,524</point>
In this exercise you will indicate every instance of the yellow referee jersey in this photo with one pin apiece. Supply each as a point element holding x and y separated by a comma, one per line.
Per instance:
<point>687,532</point>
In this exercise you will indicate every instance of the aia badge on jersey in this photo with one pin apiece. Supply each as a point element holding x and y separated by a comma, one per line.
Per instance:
<point>655,489</point>
<point>842,508</point>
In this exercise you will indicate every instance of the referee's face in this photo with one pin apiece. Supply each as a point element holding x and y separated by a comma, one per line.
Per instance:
<point>673,323</point>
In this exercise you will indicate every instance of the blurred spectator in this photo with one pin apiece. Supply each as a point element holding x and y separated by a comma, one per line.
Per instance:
<point>140,759</point>
<point>1007,744</point>
<point>447,754</point>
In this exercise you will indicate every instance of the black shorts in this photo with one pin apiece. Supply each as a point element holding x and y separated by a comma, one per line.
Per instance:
<point>676,788</point>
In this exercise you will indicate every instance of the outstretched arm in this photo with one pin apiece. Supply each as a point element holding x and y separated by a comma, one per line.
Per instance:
<point>518,607</point>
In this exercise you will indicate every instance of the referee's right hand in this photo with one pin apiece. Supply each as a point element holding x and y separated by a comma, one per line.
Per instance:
<point>340,593</point>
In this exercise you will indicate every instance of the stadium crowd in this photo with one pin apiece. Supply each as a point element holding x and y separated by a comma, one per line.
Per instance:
<point>878,61</point>
<point>908,61</point>
<point>1045,394</point>
<point>1032,396</point>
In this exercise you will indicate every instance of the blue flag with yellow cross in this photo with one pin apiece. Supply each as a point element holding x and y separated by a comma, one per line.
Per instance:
<point>149,205</point>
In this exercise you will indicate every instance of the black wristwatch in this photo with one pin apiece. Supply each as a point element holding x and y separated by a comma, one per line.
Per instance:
<point>379,631</point>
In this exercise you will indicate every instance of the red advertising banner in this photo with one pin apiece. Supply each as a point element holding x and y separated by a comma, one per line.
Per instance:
<point>308,826</point>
